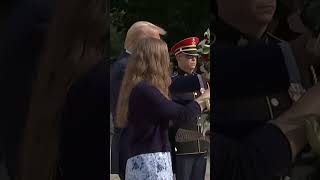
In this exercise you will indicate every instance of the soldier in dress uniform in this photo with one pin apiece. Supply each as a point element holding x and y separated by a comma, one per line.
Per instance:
<point>190,146</point>
<point>241,27</point>
<point>231,34</point>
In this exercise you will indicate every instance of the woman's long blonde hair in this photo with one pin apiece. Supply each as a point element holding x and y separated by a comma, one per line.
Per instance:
<point>150,63</point>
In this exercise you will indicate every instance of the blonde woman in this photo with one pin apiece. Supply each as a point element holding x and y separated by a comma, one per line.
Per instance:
<point>144,110</point>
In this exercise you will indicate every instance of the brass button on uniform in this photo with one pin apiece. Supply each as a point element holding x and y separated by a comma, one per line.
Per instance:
<point>202,90</point>
<point>242,42</point>
<point>274,102</point>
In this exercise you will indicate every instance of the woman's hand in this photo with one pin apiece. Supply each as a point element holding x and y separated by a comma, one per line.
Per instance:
<point>201,100</point>
<point>205,94</point>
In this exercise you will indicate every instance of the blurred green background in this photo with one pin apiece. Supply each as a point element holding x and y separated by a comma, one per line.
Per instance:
<point>179,18</point>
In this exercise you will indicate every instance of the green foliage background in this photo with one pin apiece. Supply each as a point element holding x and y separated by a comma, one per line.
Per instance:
<point>179,18</point>
<point>182,18</point>
<point>4,6</point>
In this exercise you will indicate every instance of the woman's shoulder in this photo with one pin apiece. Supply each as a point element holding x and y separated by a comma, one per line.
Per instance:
<point>145,89</point>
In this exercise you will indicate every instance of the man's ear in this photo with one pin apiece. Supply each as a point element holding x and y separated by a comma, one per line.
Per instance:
<point>179,56</point>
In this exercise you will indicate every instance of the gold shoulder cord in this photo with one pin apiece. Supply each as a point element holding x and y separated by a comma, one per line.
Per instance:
<point>270,108</point>
<point>314,75</point>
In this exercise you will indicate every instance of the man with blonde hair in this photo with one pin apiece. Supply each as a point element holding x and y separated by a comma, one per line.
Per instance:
<point>141,29</point>
<point>138,31</point>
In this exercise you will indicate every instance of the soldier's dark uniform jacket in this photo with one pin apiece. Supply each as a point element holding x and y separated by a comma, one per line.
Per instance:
<point>257,93</point>
<point>191,147</point>
<point>250,93</point>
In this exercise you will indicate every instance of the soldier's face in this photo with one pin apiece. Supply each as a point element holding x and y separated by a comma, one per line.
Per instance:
<point>249,11</point>
<point>187,62</point>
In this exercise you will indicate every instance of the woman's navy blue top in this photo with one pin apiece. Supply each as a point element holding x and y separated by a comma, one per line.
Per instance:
<point>149,113</point>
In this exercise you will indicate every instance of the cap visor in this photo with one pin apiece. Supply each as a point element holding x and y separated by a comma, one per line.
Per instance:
<point>192,53</point>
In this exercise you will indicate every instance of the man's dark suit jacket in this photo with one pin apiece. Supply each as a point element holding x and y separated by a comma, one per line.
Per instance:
<point>245,147</point>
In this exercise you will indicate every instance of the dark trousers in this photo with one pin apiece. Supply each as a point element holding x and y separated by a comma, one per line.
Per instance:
<point>115,151</point>
<point>191,167</point>
<point>122,176</point>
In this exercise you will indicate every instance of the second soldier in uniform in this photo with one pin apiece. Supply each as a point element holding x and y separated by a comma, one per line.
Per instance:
<point>190,146</point>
